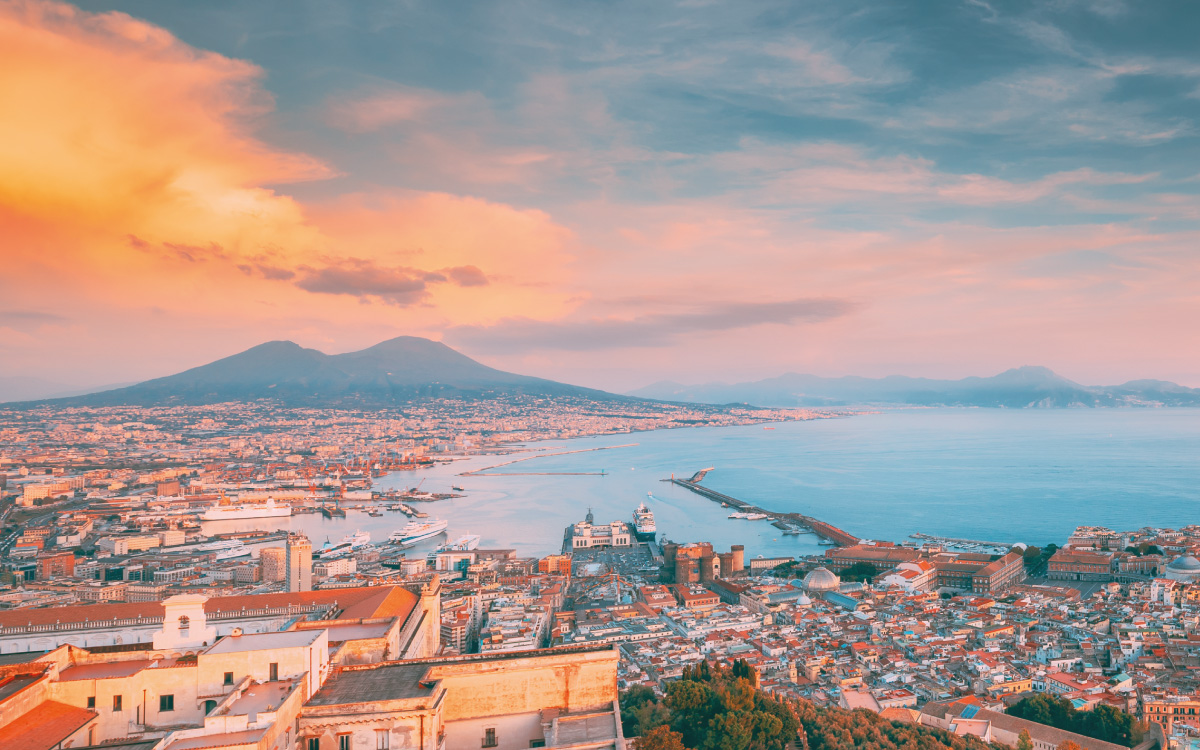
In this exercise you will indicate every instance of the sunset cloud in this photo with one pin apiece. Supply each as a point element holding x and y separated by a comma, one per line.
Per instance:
<point>611,198</point>
<point>650,330</point>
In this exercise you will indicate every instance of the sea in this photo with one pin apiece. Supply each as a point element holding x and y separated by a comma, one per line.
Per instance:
<point>993,475</point>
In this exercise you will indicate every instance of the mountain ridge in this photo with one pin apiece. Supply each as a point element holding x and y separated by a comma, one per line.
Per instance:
<point>1019,387</point>
<point>394,371</point>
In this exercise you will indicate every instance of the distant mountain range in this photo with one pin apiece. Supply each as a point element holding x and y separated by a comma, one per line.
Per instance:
<point>1021,388</point>
<point>396,371</point>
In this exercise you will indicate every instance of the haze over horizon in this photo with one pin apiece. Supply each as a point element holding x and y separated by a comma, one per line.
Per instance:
<point>607,196</point>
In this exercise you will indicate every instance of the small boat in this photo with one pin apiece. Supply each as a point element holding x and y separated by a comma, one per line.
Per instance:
<point>456,488</point>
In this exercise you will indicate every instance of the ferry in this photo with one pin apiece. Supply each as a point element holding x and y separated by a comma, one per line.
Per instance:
<point>418,531</point>
<point>464,543</point>
<point>225,549</point>
<point>234,512</point>
<point>643,523</point>
<point>349,543</point>
<point>748,516</point>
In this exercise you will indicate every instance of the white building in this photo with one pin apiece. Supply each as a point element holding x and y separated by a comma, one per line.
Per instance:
<point>586,534</point>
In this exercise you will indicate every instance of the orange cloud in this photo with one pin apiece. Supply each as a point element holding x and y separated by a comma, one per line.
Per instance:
<point>133,195</point>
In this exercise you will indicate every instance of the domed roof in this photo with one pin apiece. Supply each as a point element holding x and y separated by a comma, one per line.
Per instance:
<point>1186,563</point>
<point>803,600</point>
<point>821,579</point>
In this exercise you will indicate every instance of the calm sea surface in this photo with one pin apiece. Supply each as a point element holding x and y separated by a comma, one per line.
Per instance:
<point>990,474</point>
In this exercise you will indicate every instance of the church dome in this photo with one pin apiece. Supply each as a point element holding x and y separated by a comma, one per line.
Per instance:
<point>1185,564</point>
<point>821,579</point>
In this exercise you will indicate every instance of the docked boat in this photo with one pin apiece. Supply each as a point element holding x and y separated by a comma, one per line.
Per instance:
<point>464,543</point>
<point>269,509</point>
<point>748,516</point>
<point>225,549</point>
<point>418,531</point>
<point>349,543</point>
<point>643,523</point>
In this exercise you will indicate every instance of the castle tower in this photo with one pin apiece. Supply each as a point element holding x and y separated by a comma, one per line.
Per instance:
<point>739,559</point>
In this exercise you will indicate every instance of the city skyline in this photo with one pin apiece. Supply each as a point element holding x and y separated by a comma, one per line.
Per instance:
<point>605,196</point>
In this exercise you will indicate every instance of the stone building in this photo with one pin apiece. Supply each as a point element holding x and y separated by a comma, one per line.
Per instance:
<point>563,697</point>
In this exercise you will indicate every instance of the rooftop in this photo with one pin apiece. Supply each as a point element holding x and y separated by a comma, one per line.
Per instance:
<point>231,644</point>
<point>44,727</point>
<point>399,681</point>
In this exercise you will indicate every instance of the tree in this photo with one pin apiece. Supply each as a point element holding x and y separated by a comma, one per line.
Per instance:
<point>660,738</point>
<point>1024,741</point>
<point>1032,554</point>
<point>1069,745</point>
<point>860,571</point>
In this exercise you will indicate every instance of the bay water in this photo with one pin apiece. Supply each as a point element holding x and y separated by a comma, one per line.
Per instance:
<point>989,474</point>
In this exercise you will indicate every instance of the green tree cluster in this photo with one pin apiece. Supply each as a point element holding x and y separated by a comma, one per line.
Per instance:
<point>864,572</point>
<point>1145,548</point>
<point>1102,723</point>
<point>711,708</point>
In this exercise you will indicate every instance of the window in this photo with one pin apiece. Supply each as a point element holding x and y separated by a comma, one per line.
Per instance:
<point>184,622</point>
<point>116,703</point>
<point>229,678</point>
<point>343,742</point>
<point>314,743</point>
<point>489,737</point>
<point>274,670</point>
<point>381,739</point>
<point>92,702</point>
<point>537,743</point>
<point>166,703</point>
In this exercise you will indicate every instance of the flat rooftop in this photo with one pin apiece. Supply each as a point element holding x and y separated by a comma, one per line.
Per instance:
<point>232,644</point>
<point>398,681</point>
<point>218,740</point>
<point>352,632</point>
<point>16,685</point>
<point>265,696</point>
<point>112,669</point>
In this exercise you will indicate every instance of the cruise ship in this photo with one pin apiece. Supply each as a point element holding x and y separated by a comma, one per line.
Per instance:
<point>643,523</point>
<point>418,531</point>
<point>233,512</point>
<point>464,543</point>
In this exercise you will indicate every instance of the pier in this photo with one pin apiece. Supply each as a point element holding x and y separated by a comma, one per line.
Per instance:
<point>779,520</point>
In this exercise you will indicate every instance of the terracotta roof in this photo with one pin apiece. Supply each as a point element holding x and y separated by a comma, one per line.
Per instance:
<point>48,724</point>
<point>369,601</point>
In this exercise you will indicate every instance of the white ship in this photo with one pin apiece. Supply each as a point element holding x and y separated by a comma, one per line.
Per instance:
<point>418,531</point>
<point>225,549</point>
<point>748,516</point>
<point>349,543</point>
<point>464,543</point>
<point>232,512</point>
<point>643,523</point>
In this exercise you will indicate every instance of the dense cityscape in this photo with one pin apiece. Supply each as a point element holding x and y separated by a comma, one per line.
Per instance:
<point>682,375</point>
<point>110,576</point>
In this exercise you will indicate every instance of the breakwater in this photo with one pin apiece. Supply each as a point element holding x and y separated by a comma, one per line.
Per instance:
<point>783,521</point>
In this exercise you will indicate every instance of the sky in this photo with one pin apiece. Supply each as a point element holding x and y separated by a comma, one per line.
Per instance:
<point>604,193</point>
